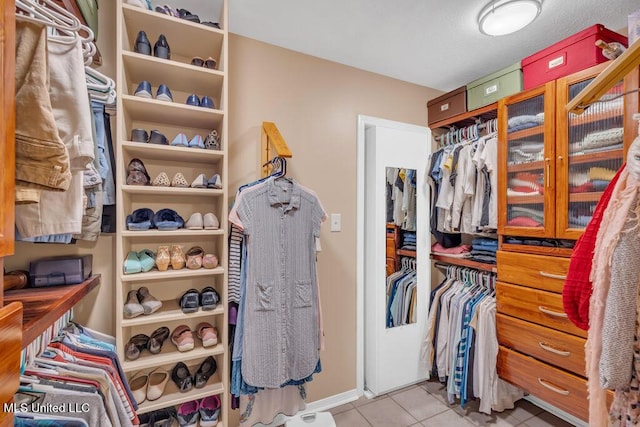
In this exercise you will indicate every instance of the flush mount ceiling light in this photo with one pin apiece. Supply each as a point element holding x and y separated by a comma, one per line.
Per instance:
<point>502,17</point>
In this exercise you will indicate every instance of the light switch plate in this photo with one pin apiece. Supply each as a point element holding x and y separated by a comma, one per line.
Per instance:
<point>336,222</point>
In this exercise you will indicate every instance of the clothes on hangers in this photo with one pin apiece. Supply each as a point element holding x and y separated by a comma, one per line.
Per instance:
<point>401,197</point>
<point>401,295</point>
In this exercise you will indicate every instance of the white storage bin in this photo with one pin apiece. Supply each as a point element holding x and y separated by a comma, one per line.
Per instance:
<point>314,419</point>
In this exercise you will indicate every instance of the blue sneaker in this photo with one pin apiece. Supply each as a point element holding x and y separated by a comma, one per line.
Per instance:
<point>143,90</point>
<point>193,100</point>
<point>180,140</point>
<point>164,94</point>
<point>207,102</point>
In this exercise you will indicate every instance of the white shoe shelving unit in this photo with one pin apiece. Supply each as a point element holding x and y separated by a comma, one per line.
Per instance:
<point>186,40</point>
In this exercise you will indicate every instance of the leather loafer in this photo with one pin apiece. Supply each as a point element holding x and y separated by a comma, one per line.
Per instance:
<point>161,49</point>
<point>142,45</point>
<point>193,100</point>
<point>205,371</point>
<point>182,377</point>
<point>207,102</point>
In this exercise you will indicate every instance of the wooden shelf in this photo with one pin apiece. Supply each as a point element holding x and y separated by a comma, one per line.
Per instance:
<point>173,113</point>
<point>405,252</point>
<point>525,167</point>
<point>524,133</point>
<point>172,396</point>
<point>171,191</point>
<point>596,157</point>
<point>170,312</point>
<point>171,153</point>
<point>187,39</point>
<point>183,232</point>
<point>43,306</point>
<point>469,118</point>
<point>586,118</point>
<point>170,355</point>
<point>585,197</point>
<point>171,274</point>
<point>525,200</point>
<point>177,76</point>
<point>464,262</point>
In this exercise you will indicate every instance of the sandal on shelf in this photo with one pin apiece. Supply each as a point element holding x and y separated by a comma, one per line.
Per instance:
<point>190,301</point>
<point>132,308</point>
<point>150,303</point>
<point>210,261</point>
<point>209,298</point>
<point>182,337</point>
<point>212,141</point>
<point>207,333</point>
<point>179,181</point>
<point>163,258</point>
<point>147,259</point>
<point>194,258</point>
<point>134,347</point>
<point>177,257</point>
<point>207,368</point>
<point>181,376</point>
<point>162,180</point>
<point>132,263</point>
<point>157,338</point>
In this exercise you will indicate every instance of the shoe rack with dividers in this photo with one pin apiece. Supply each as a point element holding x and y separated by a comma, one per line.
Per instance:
<point>186,40</point>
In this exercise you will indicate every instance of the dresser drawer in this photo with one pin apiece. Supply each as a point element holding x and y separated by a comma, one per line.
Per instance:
<point>533,305</point>
<point>557,348</point>
<point>537,271</point>
<point>561,389</point>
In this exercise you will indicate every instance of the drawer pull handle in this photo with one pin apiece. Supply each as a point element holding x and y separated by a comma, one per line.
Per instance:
<point>545,384</point>
<point>552,276</point>
<point>550,349</point>
<point>551,312</point>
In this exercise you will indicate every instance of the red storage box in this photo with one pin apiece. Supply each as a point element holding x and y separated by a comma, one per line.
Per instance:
<point>572,54</point>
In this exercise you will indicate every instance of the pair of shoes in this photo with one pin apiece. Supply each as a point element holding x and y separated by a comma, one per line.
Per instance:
<point>162,180</point>
<point>160,418</point>
<point>137,173</point>
<point>207,411</point>
<point>175,257</point>
<point>201,181</point>
<point>140,302</point>
<point>141,135</point>
<point>140,342</point>
<point>162,93</point>
<point>138,262</point>
<point>161,48</point>
<point>206,101</point>
<point>191,300</point>
<point>185,14</point>
<point>181,140</point>
<point>185,381</point>
<point>148,386</point>
<point>212,141</point>
<point>209,63</point>
<point>198,222</point>
<point>145,219</point>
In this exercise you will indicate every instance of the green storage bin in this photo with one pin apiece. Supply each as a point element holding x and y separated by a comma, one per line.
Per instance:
<point>491,88</point>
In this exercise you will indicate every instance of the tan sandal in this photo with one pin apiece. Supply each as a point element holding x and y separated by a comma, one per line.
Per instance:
<point>162,180</point>
<point>177,257</point>
<point>179,181</point>
<point>163,258</point>
<point>210,261</point>
<point>207,333</point>
<point>194,258</point>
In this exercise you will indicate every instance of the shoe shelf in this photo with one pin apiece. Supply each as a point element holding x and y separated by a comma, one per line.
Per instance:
<point>173,396</point>
<point>183,232</point>
<point>152,110</point>
<point>172,274</point>
<point>172,191</point>
<point>176,75</point>
<point>170,356</point>
<point>171,153</point>
<point>187,39</point>
<point>170,312</point>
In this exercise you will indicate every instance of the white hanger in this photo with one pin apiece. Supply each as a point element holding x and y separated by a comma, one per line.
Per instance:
<point>55,17</point>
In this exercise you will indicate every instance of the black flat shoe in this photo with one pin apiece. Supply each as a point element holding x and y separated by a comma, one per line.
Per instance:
<point>161,49</point>
<point>157,338</point>
<point>205,371</point>
<point>181,376</point>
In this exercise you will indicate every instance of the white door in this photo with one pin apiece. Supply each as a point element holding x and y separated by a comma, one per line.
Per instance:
<point>391,354</point>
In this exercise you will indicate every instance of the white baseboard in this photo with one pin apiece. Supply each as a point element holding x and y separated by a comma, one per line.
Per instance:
<point>317,406</point>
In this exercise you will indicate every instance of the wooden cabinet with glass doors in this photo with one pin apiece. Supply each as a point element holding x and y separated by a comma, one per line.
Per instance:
<point>555,165</point>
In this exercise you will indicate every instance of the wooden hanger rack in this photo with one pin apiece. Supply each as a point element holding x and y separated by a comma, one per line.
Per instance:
<point>273,145</point>
<point>609,77</point>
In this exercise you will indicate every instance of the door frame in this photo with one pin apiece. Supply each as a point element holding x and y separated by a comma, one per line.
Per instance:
<point>363,122</point>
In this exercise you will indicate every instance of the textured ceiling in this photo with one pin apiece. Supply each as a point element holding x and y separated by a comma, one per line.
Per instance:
<point>433,43</point>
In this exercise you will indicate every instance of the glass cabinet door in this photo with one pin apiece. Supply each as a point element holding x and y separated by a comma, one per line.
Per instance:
<point>527,148</point>
<point>589,153</point>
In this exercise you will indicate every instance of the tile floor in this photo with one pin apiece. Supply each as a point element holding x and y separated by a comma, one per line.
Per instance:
<point>425,405</point>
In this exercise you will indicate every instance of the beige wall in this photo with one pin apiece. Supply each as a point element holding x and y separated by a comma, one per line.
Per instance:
<point>315,104</point>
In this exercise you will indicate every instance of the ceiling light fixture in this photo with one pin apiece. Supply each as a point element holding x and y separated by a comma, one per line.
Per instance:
<point>502,17</point>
